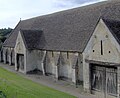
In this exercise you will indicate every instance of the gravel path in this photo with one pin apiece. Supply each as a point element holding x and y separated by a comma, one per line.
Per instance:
<point>49,81</point>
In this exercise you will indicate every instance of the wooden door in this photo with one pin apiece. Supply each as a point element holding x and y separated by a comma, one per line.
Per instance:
<point>104,81</point>
<point>111,82</point>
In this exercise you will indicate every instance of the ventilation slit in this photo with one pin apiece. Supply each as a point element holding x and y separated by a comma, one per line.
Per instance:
<point>101,47</point>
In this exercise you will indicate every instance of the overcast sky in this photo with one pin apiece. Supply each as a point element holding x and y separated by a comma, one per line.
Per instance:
<point>12,10</point>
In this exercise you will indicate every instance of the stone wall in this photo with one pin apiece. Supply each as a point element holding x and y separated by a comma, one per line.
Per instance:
<point>102,47</point>
<point>58,64</point>
<point>34,60</point>
<point>67,65</point>
<point>49,63</point>
<point>20,48</point>
<point>7,55</point>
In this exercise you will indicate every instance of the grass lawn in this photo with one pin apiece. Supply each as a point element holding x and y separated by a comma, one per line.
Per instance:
<point>15,86</point>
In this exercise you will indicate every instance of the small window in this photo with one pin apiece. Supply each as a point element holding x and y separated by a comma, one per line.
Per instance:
<point>95,36</point>
<point>93,50</point>
<point>109,51</point>
<point>106,36</point>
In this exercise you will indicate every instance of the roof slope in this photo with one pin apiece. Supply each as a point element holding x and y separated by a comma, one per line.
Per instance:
<point>33,38</point>
<point>114,27</point>
<point>69,30</point>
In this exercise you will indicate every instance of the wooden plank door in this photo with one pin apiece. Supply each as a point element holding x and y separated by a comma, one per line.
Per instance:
<point>111,82</point>
<point>97,81</point>
<point>104,81</point>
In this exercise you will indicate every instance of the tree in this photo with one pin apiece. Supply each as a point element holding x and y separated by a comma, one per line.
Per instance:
<point>4,34</point>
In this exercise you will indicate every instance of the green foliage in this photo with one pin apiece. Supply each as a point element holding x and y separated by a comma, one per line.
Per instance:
<point>2,95</point>
<point>2,38</point>
<point>15,86</point>
<point>5,32</point>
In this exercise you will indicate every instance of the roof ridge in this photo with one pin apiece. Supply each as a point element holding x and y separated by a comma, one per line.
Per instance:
<point>67,10</point>
<point>67,31</point>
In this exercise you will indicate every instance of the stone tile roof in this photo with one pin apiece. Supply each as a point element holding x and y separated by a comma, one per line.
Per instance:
<point>114,27</point>
<point>34,39</point>
<point>68,30</point>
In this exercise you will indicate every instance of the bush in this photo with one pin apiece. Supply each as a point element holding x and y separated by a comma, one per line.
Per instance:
<point>2,95</point>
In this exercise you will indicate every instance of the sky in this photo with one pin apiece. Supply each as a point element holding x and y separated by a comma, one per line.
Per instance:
<point>11,11</point>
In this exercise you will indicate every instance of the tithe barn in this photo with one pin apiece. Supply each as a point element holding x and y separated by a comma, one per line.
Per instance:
<point>79,45</point>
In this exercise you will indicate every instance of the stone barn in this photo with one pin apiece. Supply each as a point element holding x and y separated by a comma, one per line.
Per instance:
<point>79,45</point>
<point>102,60</point>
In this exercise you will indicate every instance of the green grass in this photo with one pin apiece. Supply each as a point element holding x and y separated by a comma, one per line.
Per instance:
<point>15,86</point>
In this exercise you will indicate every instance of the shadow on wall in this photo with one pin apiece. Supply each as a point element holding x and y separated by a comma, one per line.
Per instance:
<point>35,71</point>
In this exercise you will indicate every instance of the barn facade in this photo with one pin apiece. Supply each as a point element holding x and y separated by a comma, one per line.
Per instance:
<point>102,59</point>
<point>80,45</point>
